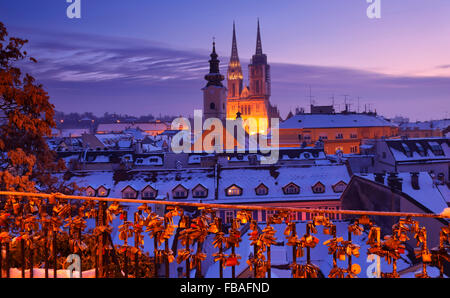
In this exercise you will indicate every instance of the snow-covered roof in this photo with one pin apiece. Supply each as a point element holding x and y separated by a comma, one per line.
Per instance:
<point>428,195</point>
<point>275,178</point>
<point>334,120</point>
<point>73,132</point>
<point>120,127</point>
<point>421,149</point>
<point>426,125</point>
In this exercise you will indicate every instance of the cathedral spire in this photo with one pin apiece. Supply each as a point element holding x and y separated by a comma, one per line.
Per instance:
<point>234,50</point>
<point>259,50</point>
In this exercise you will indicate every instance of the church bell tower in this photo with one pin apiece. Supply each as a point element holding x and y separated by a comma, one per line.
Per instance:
<point>214,93</point>
<point>259,72</point>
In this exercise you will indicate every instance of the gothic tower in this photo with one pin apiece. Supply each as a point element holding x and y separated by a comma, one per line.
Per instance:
<point>214,93</point>
<point>259,72</point>
<point>234,74</point>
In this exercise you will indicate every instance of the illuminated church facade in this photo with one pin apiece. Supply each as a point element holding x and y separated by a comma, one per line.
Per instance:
<point>252,100</point>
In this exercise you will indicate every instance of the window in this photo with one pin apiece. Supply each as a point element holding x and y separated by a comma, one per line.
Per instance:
<point>354,149</point>
<point>384,155</point>
<point>129,193</point>
<point>293,216</point>
<point>269,214</point>
<point>407,150</point>
<point>149,193</point>
<point>262,190</point>
<point>422,151</point>
<point>234,190</point>
<point>199,191</point>
<point>180,192</point>
<point>291,189</point>
<point>340,186</point>
<point>322,138</point>
<point>212,106</point>
<point>353,136</point>
<point>229,216</point>
<point>436,148</point>
<point>339,136</point>
<point>102,191</point>
<point>318,188</point>
<point>90,192</point>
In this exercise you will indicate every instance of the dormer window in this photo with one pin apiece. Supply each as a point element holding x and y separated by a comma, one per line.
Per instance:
<point>199,191</point>
<point>129,193</point>
<point>407,150</point>
<point>291,189</point>
<point>318,188</point>
<point>339,187</point>
<point>149,193</point>
<point>233,191</point>
<point>90,191</point>
<point>421,150</point>
<point>436,148</point>
<point>262,190</point>
<point>180,192</point>
<point>102,191</point>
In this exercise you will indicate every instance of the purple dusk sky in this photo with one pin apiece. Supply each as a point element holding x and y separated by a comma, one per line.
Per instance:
<point>141,57</point>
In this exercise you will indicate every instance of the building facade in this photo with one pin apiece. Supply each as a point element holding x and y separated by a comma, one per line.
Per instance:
<point>336,132</point>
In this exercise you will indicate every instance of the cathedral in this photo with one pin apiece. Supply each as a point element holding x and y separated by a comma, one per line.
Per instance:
<point>252,100</point>
<point>237,100</point>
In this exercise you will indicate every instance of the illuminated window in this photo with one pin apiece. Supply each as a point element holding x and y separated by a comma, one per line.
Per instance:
<point>234,190</point>
<point>102,191</point>
<point>90,192</point>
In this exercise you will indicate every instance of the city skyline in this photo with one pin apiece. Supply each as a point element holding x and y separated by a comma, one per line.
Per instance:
<point>399,67</point>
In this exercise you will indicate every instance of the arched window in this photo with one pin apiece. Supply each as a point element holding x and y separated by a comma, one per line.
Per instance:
<point>212,106</point>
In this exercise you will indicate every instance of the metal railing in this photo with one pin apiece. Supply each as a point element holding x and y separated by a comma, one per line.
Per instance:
<point>42,231</point>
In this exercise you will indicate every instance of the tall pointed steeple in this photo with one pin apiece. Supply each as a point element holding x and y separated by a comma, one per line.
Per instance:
<point>259,50</point>
<point>234,73</point>
<point>234,50</point>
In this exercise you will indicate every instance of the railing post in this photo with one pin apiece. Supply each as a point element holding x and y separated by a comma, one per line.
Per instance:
<point>166,250</point>
<point>219,227</point>
<point>136,245</point>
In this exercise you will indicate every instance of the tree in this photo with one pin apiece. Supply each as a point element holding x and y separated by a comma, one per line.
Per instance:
<point>26,119</point>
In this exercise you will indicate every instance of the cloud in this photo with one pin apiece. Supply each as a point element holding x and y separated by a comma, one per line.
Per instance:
<point>85,72</point>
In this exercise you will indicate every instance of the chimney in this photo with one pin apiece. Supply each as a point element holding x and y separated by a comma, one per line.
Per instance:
<point>395,182</point>
<point>379,177</point>
<point>415,180</point>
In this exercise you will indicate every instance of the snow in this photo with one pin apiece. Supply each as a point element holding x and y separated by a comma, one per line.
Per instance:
<point>305,177</point>
<point>428,195</point>
<point>445,192</point>
<point>334,120</point>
